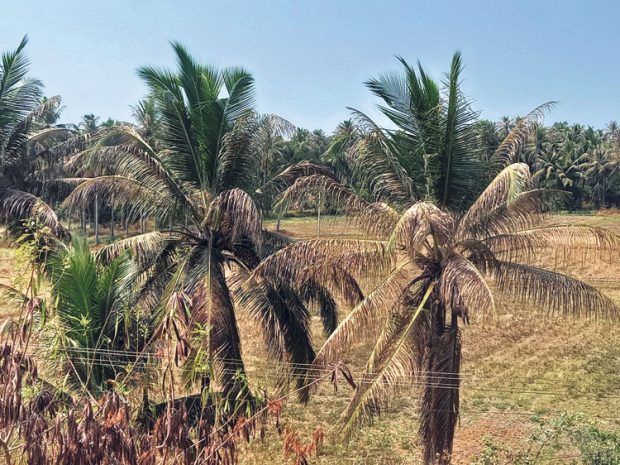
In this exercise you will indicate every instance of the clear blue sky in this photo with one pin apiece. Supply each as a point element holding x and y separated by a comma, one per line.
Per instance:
<point>310,57</point>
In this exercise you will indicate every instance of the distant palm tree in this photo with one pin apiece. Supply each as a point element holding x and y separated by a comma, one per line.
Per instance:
<point>612,131</point>
<point>271,133</point>
<point>436,270</point>
<point>337,155</point>
<point>89,123</point>
<point>26,138</point>
<point>599,165</point>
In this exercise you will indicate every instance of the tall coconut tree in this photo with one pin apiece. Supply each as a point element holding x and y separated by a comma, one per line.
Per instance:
<point>433,153</point>
<point>433,271</point>
<point>194,180</point>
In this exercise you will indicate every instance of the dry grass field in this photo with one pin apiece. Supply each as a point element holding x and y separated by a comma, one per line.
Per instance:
<point>518,367</point>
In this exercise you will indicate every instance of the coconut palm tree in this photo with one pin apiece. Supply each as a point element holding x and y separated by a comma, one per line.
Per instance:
<point>89,123</point>
<point>612,132</point>
<point>337,156</point>
<point>436,270</point>
<point>194,179</point>
<point>432,154</point>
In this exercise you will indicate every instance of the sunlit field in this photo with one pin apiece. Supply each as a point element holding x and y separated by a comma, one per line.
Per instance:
<point>519,369</point>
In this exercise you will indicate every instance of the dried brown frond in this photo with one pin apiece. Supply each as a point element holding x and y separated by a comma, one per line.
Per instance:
<point>233,214</point>
<point>366,316</point>
<point>287,178</point>
<point>463,289</point>
<point>285,321</point>
<point>138,199</point>
<point>392,362</point>
<point>511,145</point>
<point>528,210</point>
<point>554,292</point>
<point>421,220</point>
<point>142,247</point>
<point>575,241</point>
<point>502,191</point>
<point>18,206</point>
<point>377,218</point>
<point>321,259</point>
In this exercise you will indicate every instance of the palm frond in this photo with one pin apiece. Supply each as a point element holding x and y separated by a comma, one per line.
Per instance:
<point>376,218</point>
<point>138,199</point>
<point>233,214</point>
<point>141,247</point>
<point>508,150</point>
<point>460,171</point>
<point>273,188</point>
<point>366,316</point>
<point>510,182</point>
<point>557,293</point>
<point>420,221</point>
<point>19,206</point>
<point>324,260</point>
<point>573,240</point>
<point>463,289</point>
<point>390,367</point>
<point>285,321</point>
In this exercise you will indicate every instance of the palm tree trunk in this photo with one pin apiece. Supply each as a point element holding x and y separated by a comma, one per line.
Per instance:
<point>96,219</point>
<point>318,218</point>
<point>441,380</point>
<point>112,219</point>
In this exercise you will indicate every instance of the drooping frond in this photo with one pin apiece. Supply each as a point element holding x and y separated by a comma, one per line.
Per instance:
<point>510,182</point>
<point>463,289</point>
<point>11,293</point>
<point>285,179</point>
<point>391,365</point>
<point>141,247</point>
<point>233,214</point>
<point>323,260</point>
<point>285,322</point>
<point>123,151</point>
<point>554,292</point>
<point>376,218</point>
<point>421,220</point>
<point>527,210</point>
<point>573,240</point>
<point>138,199</point>
<point>508,150</point>
<point>366,316</point>
<point>18,206</point>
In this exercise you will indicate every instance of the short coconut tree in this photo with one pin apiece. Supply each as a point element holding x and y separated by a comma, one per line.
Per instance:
<point>437,269</point>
